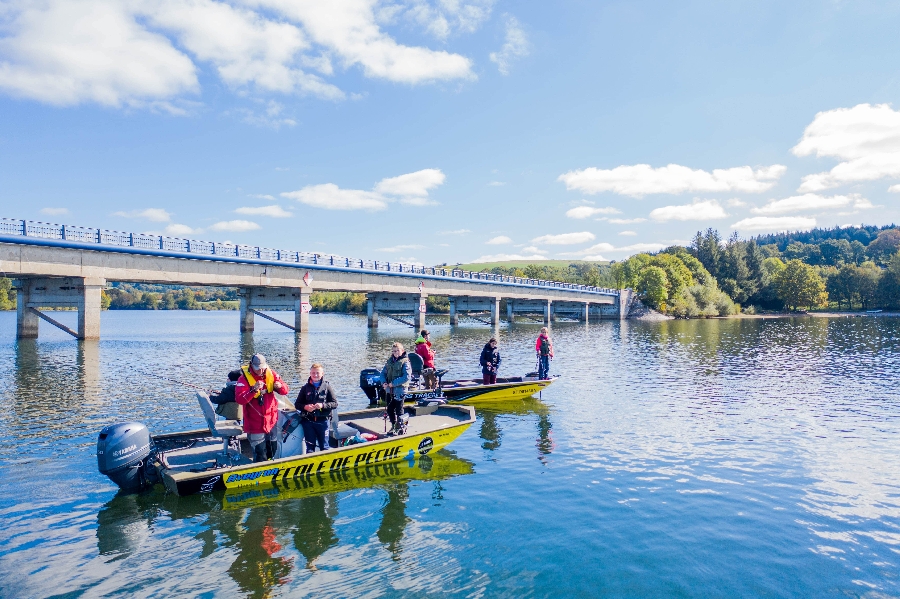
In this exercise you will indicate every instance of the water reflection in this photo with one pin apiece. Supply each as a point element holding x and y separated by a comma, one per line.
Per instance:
<point>315,534</point>
<point>257,569</point>
<point>393,518</point>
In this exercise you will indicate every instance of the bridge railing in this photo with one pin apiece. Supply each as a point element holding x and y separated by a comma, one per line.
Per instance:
<point>104,237</point>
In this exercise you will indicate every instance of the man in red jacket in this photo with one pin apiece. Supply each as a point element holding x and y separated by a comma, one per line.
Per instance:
<point>255,390</point>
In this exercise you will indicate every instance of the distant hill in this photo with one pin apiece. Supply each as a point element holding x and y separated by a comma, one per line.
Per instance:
<point>521,263</point>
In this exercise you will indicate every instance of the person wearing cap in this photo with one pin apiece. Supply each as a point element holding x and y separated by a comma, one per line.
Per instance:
<point>423,348</point>
<point>255,390</point>
<point>490,362</point>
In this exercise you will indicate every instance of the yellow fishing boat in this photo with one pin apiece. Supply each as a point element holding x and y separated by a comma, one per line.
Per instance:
<point>220,456</point>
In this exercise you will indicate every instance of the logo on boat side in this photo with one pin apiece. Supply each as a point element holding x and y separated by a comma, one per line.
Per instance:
<point>252,475</point>
<point>124,451</point>
<point>208,486</point>
<point>425,445</point>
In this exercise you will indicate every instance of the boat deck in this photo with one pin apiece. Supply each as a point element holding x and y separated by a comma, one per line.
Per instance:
<point>375,424</point>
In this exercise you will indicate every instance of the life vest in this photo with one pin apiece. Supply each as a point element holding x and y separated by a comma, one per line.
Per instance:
<point>545,346</point>
<point>270,379</point>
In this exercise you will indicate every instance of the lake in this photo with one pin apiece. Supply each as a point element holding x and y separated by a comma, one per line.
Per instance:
<point>711,458</point>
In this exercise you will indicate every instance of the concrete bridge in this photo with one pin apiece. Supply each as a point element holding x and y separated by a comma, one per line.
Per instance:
<point>67,266</point>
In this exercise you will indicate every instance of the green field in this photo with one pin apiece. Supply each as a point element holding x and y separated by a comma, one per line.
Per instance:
<point>521,263</point>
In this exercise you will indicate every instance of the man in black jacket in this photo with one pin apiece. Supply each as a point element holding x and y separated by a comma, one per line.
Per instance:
<point>315,402</point>
<point>490,362</point>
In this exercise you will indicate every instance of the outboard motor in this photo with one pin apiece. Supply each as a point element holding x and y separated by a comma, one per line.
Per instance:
<point>370,383</point>
<point>121,451</point>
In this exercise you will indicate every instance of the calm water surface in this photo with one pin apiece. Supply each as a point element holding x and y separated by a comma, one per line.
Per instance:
<point>735,458</point>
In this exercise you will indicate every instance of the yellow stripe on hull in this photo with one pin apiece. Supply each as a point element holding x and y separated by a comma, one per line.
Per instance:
<point>382,451</point>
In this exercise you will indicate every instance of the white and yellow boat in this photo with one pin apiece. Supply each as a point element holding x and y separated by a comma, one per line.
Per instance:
<point>220,457</point>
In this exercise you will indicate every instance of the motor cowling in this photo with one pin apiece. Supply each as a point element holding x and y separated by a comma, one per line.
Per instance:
<point>370,383</point>
<point>121,451</point>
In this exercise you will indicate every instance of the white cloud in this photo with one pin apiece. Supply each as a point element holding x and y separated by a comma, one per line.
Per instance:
<point>564,238</point>
<point>54,211</point>
<point>697,210</point>
<point>736,203</point>
<point>332,197</point>
<point>506,258</point>
<point>642,179</point>
<point>593,252</point>
<point>411,188</point>
<point>812,201</point>
<point>532,250</point>
<point>156,215</point>
<point>440,19</point>
<point>236,226</point>
<point>865,138</point>
<point>594,258</point>
<point>627,233</point>
<point>581,212</point>
<point>148,53</point>
<point>455,232</point>
<point>775,223</point>
<point>262,196</point>
<point>894,188</point>
<point>496,183</point>
<point>176,229</point>
<point>65,52</point>
<point>514,46</point>
<point>400,248</point>
<point>626,221</point>
<point>499,240</point>
<point>275,211</point>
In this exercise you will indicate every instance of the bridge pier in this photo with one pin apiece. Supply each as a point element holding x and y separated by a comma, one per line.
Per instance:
<point>465,303</point>
<point>398,303</point>
<point>256,299</point>
<point>454,315</point>
<point>81,293</point>
<point>549,317</point>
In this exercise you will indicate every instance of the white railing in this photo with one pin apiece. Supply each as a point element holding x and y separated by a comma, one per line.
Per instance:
<point>29,228</point>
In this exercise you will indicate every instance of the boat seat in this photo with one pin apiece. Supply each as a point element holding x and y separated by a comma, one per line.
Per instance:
<point>224,429</point>
<point>339,430</point>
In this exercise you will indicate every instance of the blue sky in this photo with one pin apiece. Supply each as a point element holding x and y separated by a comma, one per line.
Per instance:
<point>450,130</point>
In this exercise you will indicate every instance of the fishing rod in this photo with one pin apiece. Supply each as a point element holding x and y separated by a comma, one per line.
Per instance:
<point>174,381</point>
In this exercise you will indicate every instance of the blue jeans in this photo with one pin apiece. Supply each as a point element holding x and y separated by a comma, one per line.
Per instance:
<point>544,368</point>
<point>314,433</point>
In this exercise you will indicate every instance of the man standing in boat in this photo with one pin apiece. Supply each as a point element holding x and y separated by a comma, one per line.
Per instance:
<point>544,349</point>
<point>255,390</point>
<point>396,374</point>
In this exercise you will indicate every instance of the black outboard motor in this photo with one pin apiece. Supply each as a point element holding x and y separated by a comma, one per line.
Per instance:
<point>121,451</point>
<point>370,383</point>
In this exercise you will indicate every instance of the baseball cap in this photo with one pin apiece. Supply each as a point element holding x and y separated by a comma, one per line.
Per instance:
<point>258,362</point>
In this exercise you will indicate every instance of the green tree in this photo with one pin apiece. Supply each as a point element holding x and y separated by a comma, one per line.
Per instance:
<point>708,248</point>
<point>653,286</point>
<point>836,252</point>
<point>799,284</point>
<point>7,294</point>
<point>888,291</point>
<point>884,246</point>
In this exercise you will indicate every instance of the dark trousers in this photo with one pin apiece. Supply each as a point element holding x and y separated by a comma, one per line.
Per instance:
<point>266,449</point>
<point>314,433</point>
<point>490,378</point>
<point>395,408</point>
<point>544,367</point>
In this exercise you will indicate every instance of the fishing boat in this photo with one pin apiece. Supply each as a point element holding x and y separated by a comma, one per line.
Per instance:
<point>219,457</point>
<point>456,391</point>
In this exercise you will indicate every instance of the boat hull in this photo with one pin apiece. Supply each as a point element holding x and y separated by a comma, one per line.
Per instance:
<point>476,393</point>
<point>381,451</point>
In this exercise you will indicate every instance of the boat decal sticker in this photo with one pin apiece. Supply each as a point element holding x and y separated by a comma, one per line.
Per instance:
<point>425,445</point>
<point>209,485</point>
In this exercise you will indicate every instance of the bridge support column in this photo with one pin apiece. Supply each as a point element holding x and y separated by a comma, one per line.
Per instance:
<point>371,312</point>
<point>89,309</point>
<point>83,294</point>
<point>247,322</point>
<point>510,310</point>
<point>586,313</point>
<point>548,313</point>
<point>495,311</point>
<point>454,316</point>
<point>301,310</point>
<point>26,320</point>
<point>420,314</point>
